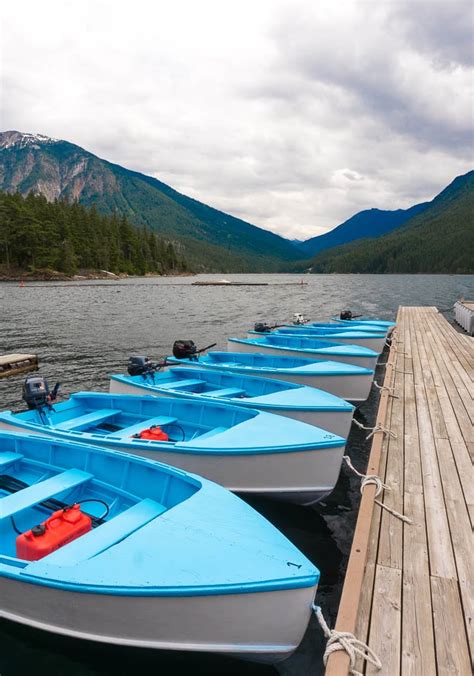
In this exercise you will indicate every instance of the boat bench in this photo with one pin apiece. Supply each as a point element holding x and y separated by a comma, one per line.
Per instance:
<point>43,490</point>
<point>108,534</point>
<point>225,392</point>
<point>181,384</point>
<point>87,420</point>
<point>140,426</point>
<point>210,433</point>
<point>9,458</point>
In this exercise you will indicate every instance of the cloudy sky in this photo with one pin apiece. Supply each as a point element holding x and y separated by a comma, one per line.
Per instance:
<point>291,114</point>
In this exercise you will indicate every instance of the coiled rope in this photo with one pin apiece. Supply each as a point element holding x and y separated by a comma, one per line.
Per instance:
<point>344,640</point>
<point>374,480</point>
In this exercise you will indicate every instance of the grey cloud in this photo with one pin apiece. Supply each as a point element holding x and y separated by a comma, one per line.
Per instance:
<point>373,65</point>
<point>442,30</point>
<point>292,115</point>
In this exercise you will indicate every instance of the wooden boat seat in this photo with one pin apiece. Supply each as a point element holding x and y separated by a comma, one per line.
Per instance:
<point>108,534</point>
<point>143,425</point>
<point>43,490</point>
<point>210,433</point>
<point>87,420</point>
<point>9,458</point>
<point>226,392</point>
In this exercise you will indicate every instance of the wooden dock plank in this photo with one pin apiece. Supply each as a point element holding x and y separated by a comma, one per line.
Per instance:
<point>391,537</point>
<point>414,605</point>
<point>441,557</point>
<point>452,656</point>
<point>385,627</point>
<point>418,651</point>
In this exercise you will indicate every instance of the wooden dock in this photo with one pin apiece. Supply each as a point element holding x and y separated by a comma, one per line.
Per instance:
<point>12,364</point>
<point>408,587</point>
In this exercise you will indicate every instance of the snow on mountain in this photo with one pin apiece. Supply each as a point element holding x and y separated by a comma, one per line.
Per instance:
<point>22,140</point>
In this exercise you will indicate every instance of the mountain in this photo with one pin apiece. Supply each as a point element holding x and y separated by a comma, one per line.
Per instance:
<point>210,239</point>
<point>368,223</point>
<point>440,239</point>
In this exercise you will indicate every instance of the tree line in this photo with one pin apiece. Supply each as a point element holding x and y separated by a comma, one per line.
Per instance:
<point>37,234</point>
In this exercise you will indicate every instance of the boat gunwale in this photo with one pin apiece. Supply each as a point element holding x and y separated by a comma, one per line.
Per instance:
<point>344,406</point>
<point>116,443</point>
<point>360,351</point>
<point>349,370</point>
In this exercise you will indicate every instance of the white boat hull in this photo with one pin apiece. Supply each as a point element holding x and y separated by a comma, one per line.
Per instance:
<point>261,626</point>
<point>376,344</point>
<point>301,477</point>
<point>337,422</point>
<point>365,362</point>
<point>352,388</point>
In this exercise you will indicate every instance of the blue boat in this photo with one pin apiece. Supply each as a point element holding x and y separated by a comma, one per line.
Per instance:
<point>340,326</point>
<point>367,323</point>
<point>369,339</point>
<point>248,451</point>
<point>315,348</point>
<point>346,381</point>
<point>307,404</point>
<point>106,547</point>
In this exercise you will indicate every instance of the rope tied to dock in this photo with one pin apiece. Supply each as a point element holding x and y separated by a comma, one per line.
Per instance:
<point>373,430</point>
<point>385,363</point>
<point>388,389</point>
<point>344,640</point>
<point>374,480</point>
<point>394,347</point>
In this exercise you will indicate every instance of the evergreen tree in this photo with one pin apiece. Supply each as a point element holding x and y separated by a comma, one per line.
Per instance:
<point>37,234</point>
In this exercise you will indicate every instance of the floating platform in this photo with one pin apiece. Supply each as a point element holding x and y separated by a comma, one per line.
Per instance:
<point>223,282</point>
<point>408,587</point>
<point>12,364</point>
<point>464,315</point>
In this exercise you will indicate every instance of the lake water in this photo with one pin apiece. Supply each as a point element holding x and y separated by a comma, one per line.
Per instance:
<point>83,331</point>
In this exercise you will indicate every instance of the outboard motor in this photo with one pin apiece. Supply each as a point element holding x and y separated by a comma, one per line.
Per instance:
<point>139,365</point>
<point>299,318</point>
<point>261,327</point>
<point>36,392</point>
<point>346,315</point>
<point>185,349</point>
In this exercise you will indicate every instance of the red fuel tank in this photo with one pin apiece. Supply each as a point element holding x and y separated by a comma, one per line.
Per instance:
<point>60,528</point>
<point>154,433</point>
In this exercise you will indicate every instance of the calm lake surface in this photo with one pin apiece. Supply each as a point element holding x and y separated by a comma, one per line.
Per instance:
<point>84,331</point>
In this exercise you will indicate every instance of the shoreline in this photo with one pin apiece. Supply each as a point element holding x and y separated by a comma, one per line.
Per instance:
<point>54,276</point>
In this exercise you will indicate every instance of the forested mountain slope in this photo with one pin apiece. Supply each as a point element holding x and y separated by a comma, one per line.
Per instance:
<point>209,238</point>
<point>438,240</point>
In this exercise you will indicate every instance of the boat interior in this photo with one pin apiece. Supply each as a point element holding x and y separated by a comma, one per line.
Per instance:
<point>122,416</point>
<point>39,477</point>
<point>213,384</point>
<point>294,341</point>
<point>256,359</point>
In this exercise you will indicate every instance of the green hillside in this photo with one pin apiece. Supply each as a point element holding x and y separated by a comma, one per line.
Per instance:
<point>36,234</point>
<point>208,238</point>
<point>438,240</point>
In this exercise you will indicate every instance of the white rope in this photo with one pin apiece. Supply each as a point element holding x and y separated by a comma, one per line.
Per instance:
<point>344,640</point>
<point>388,389</point>
<point>385,363</point>
<point>383,429</point>
<point>374,430</point>
<point>395,349</point>
<point>374,480</point>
